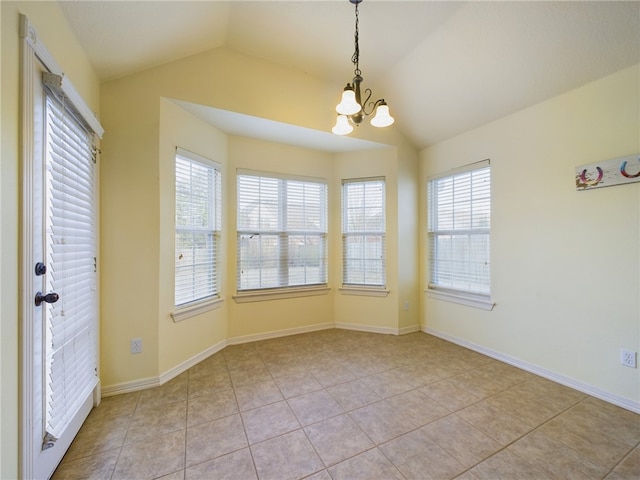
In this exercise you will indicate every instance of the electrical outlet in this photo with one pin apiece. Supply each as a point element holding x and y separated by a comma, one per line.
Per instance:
<point>406,305</point>
<point>628,358</point>
<point>136,345</point>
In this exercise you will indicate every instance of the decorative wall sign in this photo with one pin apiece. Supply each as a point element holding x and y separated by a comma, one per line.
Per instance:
<point>608,173</point>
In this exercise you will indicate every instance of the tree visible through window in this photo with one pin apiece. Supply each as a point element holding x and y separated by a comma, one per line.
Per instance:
<point>198,198</point>
<point>363,232</point>
<point>282,232</point>
<point>459,225</point>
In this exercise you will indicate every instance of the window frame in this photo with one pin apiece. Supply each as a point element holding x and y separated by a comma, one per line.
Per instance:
<point>349,286</point>
<point>465,296</point>
<point>196,305</point>
<point>281,230</point>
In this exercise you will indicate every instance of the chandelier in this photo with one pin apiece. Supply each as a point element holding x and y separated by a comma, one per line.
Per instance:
<point>351,109</point>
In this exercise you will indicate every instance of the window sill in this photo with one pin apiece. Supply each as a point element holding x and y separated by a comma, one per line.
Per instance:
<point>277,294</point>
<point>364,291</point>
<point>468,299</point>
<point>192,309</point>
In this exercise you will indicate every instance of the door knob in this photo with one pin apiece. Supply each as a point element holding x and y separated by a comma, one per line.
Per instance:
<point>49,298</point>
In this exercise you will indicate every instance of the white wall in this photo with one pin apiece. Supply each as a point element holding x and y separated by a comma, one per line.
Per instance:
<point>565,264</point>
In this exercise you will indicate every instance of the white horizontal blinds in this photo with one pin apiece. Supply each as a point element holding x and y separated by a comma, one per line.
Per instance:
<point>198,212</point>
<point>363,232</point>
<point>459,227</point>
<point>71,322</point>
<point>282,232</point>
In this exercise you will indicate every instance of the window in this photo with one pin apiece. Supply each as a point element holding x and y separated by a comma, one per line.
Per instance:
<point>282,232</point>
<point>198,212</point>
<point>459,222</point>
<point>363,232</point>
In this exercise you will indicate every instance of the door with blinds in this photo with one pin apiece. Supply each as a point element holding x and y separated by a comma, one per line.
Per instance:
<point>64,270</point>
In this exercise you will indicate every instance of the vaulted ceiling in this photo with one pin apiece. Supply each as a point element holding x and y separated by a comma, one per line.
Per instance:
<point>444,67</point>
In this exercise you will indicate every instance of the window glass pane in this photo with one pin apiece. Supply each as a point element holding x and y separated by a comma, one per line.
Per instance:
<point>459,226</point>
<point>198,198</point>
<point>281,232</point>
<point>363,228</point>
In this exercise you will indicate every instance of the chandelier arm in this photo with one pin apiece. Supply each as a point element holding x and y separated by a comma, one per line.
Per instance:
<point>368,92</point>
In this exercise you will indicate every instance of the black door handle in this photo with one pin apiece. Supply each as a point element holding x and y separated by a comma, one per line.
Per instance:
<point>49,298</point>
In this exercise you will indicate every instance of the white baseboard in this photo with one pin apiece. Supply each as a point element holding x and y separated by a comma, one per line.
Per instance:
<point>407,330</point>
<point>128,387</point>
<point>278,333</point>
<point>196,359</point>
<point>142,384</point>
<point>367,328</point>
<point>384,330</point>
<point>134,386</point>
<point>542,372</point>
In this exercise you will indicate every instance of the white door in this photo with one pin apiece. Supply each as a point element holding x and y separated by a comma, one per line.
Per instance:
<point>63,330</point>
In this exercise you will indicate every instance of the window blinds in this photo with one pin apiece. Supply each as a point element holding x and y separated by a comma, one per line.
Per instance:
<point>198,220</point>
<point>363,232</point>
<point>71,322</point>
<point>459,224</point>
<point>282,227</point>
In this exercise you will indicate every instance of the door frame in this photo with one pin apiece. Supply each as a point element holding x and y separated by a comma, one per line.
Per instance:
<point>34,56</point>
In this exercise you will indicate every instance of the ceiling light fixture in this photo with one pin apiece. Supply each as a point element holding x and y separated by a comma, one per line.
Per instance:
<point>351,109</point>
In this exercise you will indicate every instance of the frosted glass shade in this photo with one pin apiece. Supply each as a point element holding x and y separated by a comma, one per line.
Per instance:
<point>348,104</point>
<point>382,117</point>
<point>342,126</point>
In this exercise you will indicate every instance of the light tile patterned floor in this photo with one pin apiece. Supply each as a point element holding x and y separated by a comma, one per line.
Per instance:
<point>339,404</point>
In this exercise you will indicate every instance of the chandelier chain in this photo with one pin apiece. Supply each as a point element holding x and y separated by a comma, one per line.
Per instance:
<point>355,59</point>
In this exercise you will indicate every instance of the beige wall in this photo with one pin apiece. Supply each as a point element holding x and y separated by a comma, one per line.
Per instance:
<point>179,342</point>
<point>564,264</point>
<point>53,31</point>
<point>137,202</point>
<point>353,310</point>
<point>246,320</point>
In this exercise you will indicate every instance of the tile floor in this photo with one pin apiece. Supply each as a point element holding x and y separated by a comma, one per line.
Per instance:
<point>337,404</point>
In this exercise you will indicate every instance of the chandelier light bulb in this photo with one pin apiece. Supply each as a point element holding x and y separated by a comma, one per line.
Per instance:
<point>382,117</point>
<point>342,126</point>
<point>348,104</point>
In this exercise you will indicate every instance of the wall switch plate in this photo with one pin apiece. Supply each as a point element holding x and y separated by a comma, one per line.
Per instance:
<point>136,345</point>
<point>628,358</point>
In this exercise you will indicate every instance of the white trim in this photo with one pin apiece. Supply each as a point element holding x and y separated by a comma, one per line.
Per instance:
<point>470,300</point>
<point>462,169</point>
<point>277,294</point>
<point>279,333</point>
<point>27,31</point>
<point>364,291</point>
<point>196,308</point>
<point>150,382</point>
<point>26,361</point>
<point>612,398</point>
<point>128,387</point>
<point>280,176</point>
<point>364,179</point>
<point>194,157</point>
<point>193,361</point>
<point>408,330</point>
<point>367,328</point>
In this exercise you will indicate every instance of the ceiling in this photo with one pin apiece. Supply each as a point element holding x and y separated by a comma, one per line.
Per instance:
<point>443,67</point>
